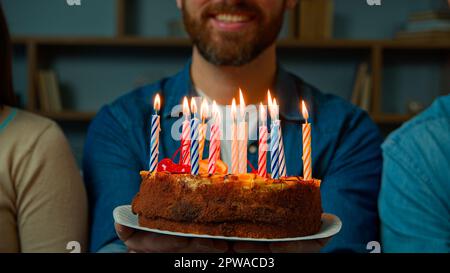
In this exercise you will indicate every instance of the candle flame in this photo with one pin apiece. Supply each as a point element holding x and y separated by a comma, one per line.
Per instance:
<point>157,103</point>
<point>305,111</point>
<point>262,113</point>
<point>270,104</point>
<point>186,107</point>
<point>204,109</point>
<point>233,109</point>
<point>193,106</point>
<point>241,104</point>
<point>274,109</point>
<point>215,112</point>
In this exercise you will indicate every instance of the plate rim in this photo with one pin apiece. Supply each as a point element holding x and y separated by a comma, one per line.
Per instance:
<point>337,225</point>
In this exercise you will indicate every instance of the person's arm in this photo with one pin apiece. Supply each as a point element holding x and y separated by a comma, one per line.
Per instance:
<point>414,216</point>
<point>111,174</point>
<point>351,184</point>
<point>51,199</point>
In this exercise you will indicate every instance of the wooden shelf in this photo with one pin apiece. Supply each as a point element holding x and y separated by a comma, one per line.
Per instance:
<point>103,41</point>
<point>183,42</point>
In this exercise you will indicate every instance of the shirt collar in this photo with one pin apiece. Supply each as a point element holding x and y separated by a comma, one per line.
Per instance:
<point>289,95</point>
<point>177,87</point>
<point>287,91</point>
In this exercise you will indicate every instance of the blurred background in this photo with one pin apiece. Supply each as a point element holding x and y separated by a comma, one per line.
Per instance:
<point>391,57</point>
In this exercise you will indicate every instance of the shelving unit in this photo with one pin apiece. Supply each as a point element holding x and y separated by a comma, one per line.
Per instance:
<point>35,48</point>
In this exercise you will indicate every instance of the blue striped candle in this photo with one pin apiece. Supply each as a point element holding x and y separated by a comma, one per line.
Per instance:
<point>154,143</point>
<point>282,168</point>
<point>275,149</point>
<point>195,122</point>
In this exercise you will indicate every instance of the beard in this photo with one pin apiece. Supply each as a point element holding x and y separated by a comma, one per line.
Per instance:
<point>232,48</point>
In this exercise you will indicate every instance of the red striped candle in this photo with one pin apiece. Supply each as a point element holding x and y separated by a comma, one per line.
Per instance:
<point>185,135</point>
<point>214,143</point>
<point>262,147</point>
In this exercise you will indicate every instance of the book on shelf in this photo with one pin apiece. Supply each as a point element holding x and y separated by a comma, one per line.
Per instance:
<point>366,93</point>
<point>49,92</point>
<point>316,19</point>
<point>362,88</point>
<point>429,15</point>
<point>359,81</point>
<point>429,26</point>
<point>428,36</point>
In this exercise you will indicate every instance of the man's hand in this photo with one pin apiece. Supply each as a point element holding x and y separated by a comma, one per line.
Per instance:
<point>143,241</point>
<point>310,246</point>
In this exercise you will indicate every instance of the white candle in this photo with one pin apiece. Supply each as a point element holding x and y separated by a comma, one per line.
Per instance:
<point>204,109</point>
<point>234,140</point>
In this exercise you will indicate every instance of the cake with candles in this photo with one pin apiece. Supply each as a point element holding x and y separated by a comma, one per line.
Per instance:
<point>201,196</point>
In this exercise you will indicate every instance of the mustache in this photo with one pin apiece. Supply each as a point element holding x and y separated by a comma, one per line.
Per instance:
<point>224,7</point>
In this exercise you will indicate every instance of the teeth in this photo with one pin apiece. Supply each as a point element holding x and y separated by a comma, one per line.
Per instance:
<point>231,18</point>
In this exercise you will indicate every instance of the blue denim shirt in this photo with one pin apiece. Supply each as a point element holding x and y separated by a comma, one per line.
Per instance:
<point>414,201</point>
<point>346,154</point>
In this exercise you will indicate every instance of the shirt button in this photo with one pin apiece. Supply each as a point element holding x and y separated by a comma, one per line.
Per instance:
<point>252,149</point>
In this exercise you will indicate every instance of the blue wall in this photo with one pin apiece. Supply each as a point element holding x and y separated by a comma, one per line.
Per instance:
<point>354,19</point>
<point>56,18</point>
<point>95,76</point>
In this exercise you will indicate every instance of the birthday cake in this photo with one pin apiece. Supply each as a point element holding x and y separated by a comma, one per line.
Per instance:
<point>199,196</point>
<point>244,205</point>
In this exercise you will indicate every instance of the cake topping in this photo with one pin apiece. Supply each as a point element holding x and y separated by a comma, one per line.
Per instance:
<point>167,165</point>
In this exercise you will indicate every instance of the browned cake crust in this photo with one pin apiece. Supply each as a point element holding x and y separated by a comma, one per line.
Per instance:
<point>244,206</point>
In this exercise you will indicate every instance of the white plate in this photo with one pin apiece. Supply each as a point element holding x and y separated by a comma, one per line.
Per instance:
<point>331,225</point>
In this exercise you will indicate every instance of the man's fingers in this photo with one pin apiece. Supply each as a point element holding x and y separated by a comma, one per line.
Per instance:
<point>310,246</point>
<point>206,246</point>
<point>156,243</point>
<point>123,232</point>
<point>245,247</point>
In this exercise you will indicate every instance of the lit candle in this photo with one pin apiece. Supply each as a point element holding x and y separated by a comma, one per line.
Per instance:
<point>242,136</point>
<point>214,143</point>
<point>234,140</point>
<point>204,114</point>
<point>154,135</point>
<point>306,131</point>
<point>185,135</point>
<point>194,152</point>
<point>274,139</point>
<point>262,147</point>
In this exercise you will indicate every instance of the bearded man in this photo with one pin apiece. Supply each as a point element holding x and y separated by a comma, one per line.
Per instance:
<point>234,46</point>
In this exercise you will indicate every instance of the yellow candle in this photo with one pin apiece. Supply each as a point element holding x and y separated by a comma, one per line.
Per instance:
<point>306,131</point>
<point>242,136</point>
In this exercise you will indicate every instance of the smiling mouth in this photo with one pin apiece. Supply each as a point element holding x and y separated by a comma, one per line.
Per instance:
<point>230,18</point>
